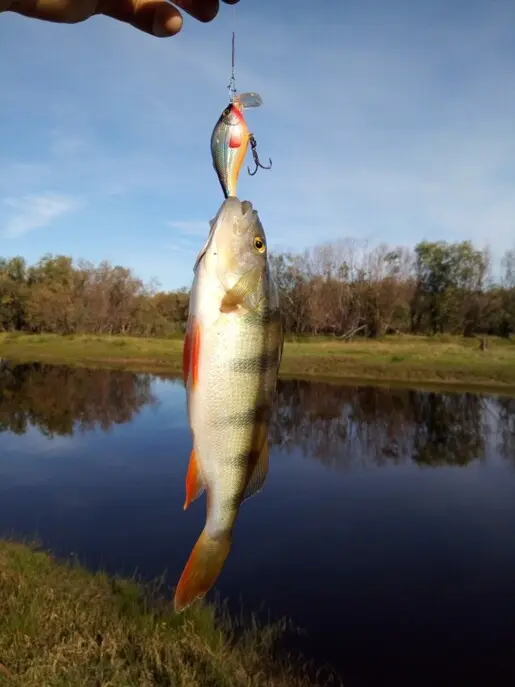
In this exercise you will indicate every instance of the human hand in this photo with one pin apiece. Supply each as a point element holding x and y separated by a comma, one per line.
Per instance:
<point>157,17</point>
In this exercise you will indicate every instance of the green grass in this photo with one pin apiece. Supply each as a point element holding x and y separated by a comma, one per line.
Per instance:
<point>106,351</point>
<point>62,626</point>
<point>407,360</point>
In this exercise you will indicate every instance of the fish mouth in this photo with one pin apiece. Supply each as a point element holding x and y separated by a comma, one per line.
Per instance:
<point>240,213</point>
<point>246,219</point>
<point>246,206</point>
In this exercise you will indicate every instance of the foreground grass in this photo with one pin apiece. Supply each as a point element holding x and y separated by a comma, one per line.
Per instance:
<point>63,626</point>
<point>397,359</point>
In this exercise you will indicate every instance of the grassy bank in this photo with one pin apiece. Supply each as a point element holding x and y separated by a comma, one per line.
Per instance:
<point>397,359</point>
<point>63,626</point>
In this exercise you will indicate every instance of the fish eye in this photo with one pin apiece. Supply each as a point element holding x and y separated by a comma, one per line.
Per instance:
<point>259,244</point>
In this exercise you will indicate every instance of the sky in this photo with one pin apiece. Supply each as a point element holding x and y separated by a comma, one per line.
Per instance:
<point>387,121</point>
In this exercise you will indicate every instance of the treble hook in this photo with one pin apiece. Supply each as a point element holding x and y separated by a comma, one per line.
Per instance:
<point>255,156</point>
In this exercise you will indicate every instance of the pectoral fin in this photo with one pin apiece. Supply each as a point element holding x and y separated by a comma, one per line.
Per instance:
<point>236,296</point>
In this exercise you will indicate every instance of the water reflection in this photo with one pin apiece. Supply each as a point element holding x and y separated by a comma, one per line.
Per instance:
<point>398,575</point>
<point>339,425</point>
<point>507,428</point>
<point>336,425</point>
<point>60,400</point>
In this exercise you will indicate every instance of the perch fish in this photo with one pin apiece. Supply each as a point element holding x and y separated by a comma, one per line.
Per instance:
<point>232,352</point>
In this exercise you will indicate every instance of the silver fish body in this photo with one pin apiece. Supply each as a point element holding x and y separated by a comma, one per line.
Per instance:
<point>232,353</point>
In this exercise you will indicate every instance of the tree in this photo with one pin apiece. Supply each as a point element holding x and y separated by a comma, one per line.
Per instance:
<point>341,288</point>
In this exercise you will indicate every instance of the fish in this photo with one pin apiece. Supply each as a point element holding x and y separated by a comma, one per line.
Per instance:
<point>229,144</point>
<point>231,357</point>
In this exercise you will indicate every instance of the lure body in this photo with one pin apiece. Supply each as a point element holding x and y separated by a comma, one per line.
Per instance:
<point>229,143</point>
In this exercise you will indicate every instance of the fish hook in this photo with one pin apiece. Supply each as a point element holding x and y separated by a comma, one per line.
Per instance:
<point>255,156</point>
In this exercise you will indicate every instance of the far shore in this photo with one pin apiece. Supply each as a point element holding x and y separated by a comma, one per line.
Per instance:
<point>436,362</point>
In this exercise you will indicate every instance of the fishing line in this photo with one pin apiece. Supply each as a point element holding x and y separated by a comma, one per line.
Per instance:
<point>232,80</point>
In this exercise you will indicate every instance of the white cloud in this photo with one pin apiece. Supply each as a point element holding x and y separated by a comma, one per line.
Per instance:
<point>35,211</point>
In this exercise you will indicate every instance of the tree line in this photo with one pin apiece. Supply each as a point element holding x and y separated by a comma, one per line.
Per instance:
<point>343,288</point>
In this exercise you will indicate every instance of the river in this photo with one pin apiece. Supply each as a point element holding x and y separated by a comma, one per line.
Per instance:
<point>385,530</point>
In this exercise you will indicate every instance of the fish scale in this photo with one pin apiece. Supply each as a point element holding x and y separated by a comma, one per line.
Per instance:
<point>230,441</point>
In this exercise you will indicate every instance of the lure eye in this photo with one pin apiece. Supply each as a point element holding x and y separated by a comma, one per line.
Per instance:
<point>259,244</point>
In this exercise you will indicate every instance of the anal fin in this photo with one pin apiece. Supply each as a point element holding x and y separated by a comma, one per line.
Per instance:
<point>194,481</point>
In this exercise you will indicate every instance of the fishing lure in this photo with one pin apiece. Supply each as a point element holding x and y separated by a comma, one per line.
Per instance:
<point>230,140</point>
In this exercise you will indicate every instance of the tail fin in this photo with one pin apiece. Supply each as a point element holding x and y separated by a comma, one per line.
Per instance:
<point>202,569</point>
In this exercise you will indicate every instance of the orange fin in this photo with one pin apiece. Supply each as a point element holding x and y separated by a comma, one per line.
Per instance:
<point>202,569</point>
<point>259,473</point>
<point>191,354</point>
<point>194,480</point>
<point>186,357</point>
<point>195,355</point>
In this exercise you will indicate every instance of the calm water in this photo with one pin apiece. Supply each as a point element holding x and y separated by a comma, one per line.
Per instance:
<point>386,528</point>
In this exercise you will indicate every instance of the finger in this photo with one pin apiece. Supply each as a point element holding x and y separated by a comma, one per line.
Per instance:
<point>50,10</point>
<point>203,10</point>
<point>156,17</point>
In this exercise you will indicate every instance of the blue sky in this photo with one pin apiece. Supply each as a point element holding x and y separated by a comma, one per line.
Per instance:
<point>391,121</point>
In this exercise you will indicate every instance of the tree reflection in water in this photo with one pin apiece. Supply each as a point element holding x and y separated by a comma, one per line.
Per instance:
<point>336,425</point>
<point>61,400</point>
<point>340,425</point>
<point>506,429</point>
